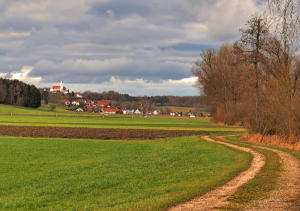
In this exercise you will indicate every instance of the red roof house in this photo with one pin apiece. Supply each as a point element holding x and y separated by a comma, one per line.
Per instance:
<point>104,103</point>
<point>89,107</point>
<point>111,110</point>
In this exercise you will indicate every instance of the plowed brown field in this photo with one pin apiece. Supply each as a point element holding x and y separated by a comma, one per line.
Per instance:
<point>93,133</point>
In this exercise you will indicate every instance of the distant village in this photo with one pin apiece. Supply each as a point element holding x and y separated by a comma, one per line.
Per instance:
<point>79,104</point>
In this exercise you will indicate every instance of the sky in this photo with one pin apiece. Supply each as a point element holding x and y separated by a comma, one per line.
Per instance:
<point>130,46</point>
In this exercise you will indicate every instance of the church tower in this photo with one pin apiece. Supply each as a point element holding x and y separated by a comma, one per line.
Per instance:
<point>61,86</point>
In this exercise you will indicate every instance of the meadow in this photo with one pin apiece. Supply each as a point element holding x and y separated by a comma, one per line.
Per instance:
<point>44,110</point>
<point>85,174</point>
<point>62,174</point>
<point>10,115</point>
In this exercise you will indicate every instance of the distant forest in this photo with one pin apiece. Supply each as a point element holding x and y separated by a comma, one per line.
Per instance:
<point>186,101</point>
<point>14,92</point>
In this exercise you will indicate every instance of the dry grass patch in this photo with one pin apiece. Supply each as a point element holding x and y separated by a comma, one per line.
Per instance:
<point>290,143</point>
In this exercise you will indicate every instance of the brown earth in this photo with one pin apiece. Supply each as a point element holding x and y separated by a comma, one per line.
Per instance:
<point>93,133</point>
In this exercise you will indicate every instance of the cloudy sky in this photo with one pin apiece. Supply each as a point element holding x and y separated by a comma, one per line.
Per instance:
<point>131,46</point>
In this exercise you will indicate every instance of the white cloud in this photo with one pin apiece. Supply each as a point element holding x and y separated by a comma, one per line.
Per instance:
<point>3,75</point>
<point>140,87</point>
<point>49,10</point>
<point>220,20</point>
<point>14,35</point>
<point>195,31</point>
<point>190,81</point>
<point>110,13</point>
<point>23,75</point>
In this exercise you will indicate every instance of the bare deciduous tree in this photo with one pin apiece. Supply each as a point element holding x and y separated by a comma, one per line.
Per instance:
<point>286,14</point>
<point>256,81</point>
<point>252,46</point>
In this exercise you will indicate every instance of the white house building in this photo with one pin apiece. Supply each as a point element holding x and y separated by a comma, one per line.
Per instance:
<point>155,112</point>
<point>75,103</point>
<point>78,95</point>
<point>138,112</point>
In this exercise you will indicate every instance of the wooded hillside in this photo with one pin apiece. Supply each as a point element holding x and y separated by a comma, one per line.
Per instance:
<point>14,92</point>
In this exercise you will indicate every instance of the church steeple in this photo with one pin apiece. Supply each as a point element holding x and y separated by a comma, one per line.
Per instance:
<point>61,86</point>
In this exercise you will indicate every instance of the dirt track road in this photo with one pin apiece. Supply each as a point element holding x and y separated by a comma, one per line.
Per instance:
<point>285,197</point>
<point>217,197</point>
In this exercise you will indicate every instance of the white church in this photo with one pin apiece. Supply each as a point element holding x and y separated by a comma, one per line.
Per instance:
<point>61,88</point>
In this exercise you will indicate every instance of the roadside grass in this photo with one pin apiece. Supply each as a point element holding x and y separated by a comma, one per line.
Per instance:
<point>295,153</point>
<point>60,174</point>
<point>260,187</point>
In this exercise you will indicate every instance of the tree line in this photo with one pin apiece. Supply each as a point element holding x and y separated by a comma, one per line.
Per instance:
<point>14,92</point>
<point>255,80</point>
<point>125,99</point>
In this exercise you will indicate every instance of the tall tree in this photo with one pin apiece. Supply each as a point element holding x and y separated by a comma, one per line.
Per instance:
<point>223,79</point>
<point>252,45</point>
<point>286,15</point>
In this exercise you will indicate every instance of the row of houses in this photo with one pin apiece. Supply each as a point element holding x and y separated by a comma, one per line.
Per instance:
<point>108,107</point>
<point>84,102</point>
<point>103,106</point>
<point>108,110</point>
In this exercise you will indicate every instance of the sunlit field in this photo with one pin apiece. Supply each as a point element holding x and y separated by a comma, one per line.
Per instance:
<point>60,174</point>
<point>29,117</point>
<point>84,174</point>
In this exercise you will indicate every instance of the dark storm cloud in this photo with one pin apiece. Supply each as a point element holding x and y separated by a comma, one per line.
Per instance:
<point>93,41</point>
<point>98,71</point>
<point>189,47</point>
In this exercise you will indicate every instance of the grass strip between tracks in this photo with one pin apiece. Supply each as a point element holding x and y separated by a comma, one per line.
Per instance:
<point>264,182</point>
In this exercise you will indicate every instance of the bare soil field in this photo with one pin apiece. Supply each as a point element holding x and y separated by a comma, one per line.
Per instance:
<point>93,133</point>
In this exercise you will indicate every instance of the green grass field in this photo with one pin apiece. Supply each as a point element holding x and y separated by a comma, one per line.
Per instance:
<point>60,174</point>
<point>42,111</point>
<point>77,174</point>
<point>134,123</point>
<point>63,174</point>
<point>33,117</point>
